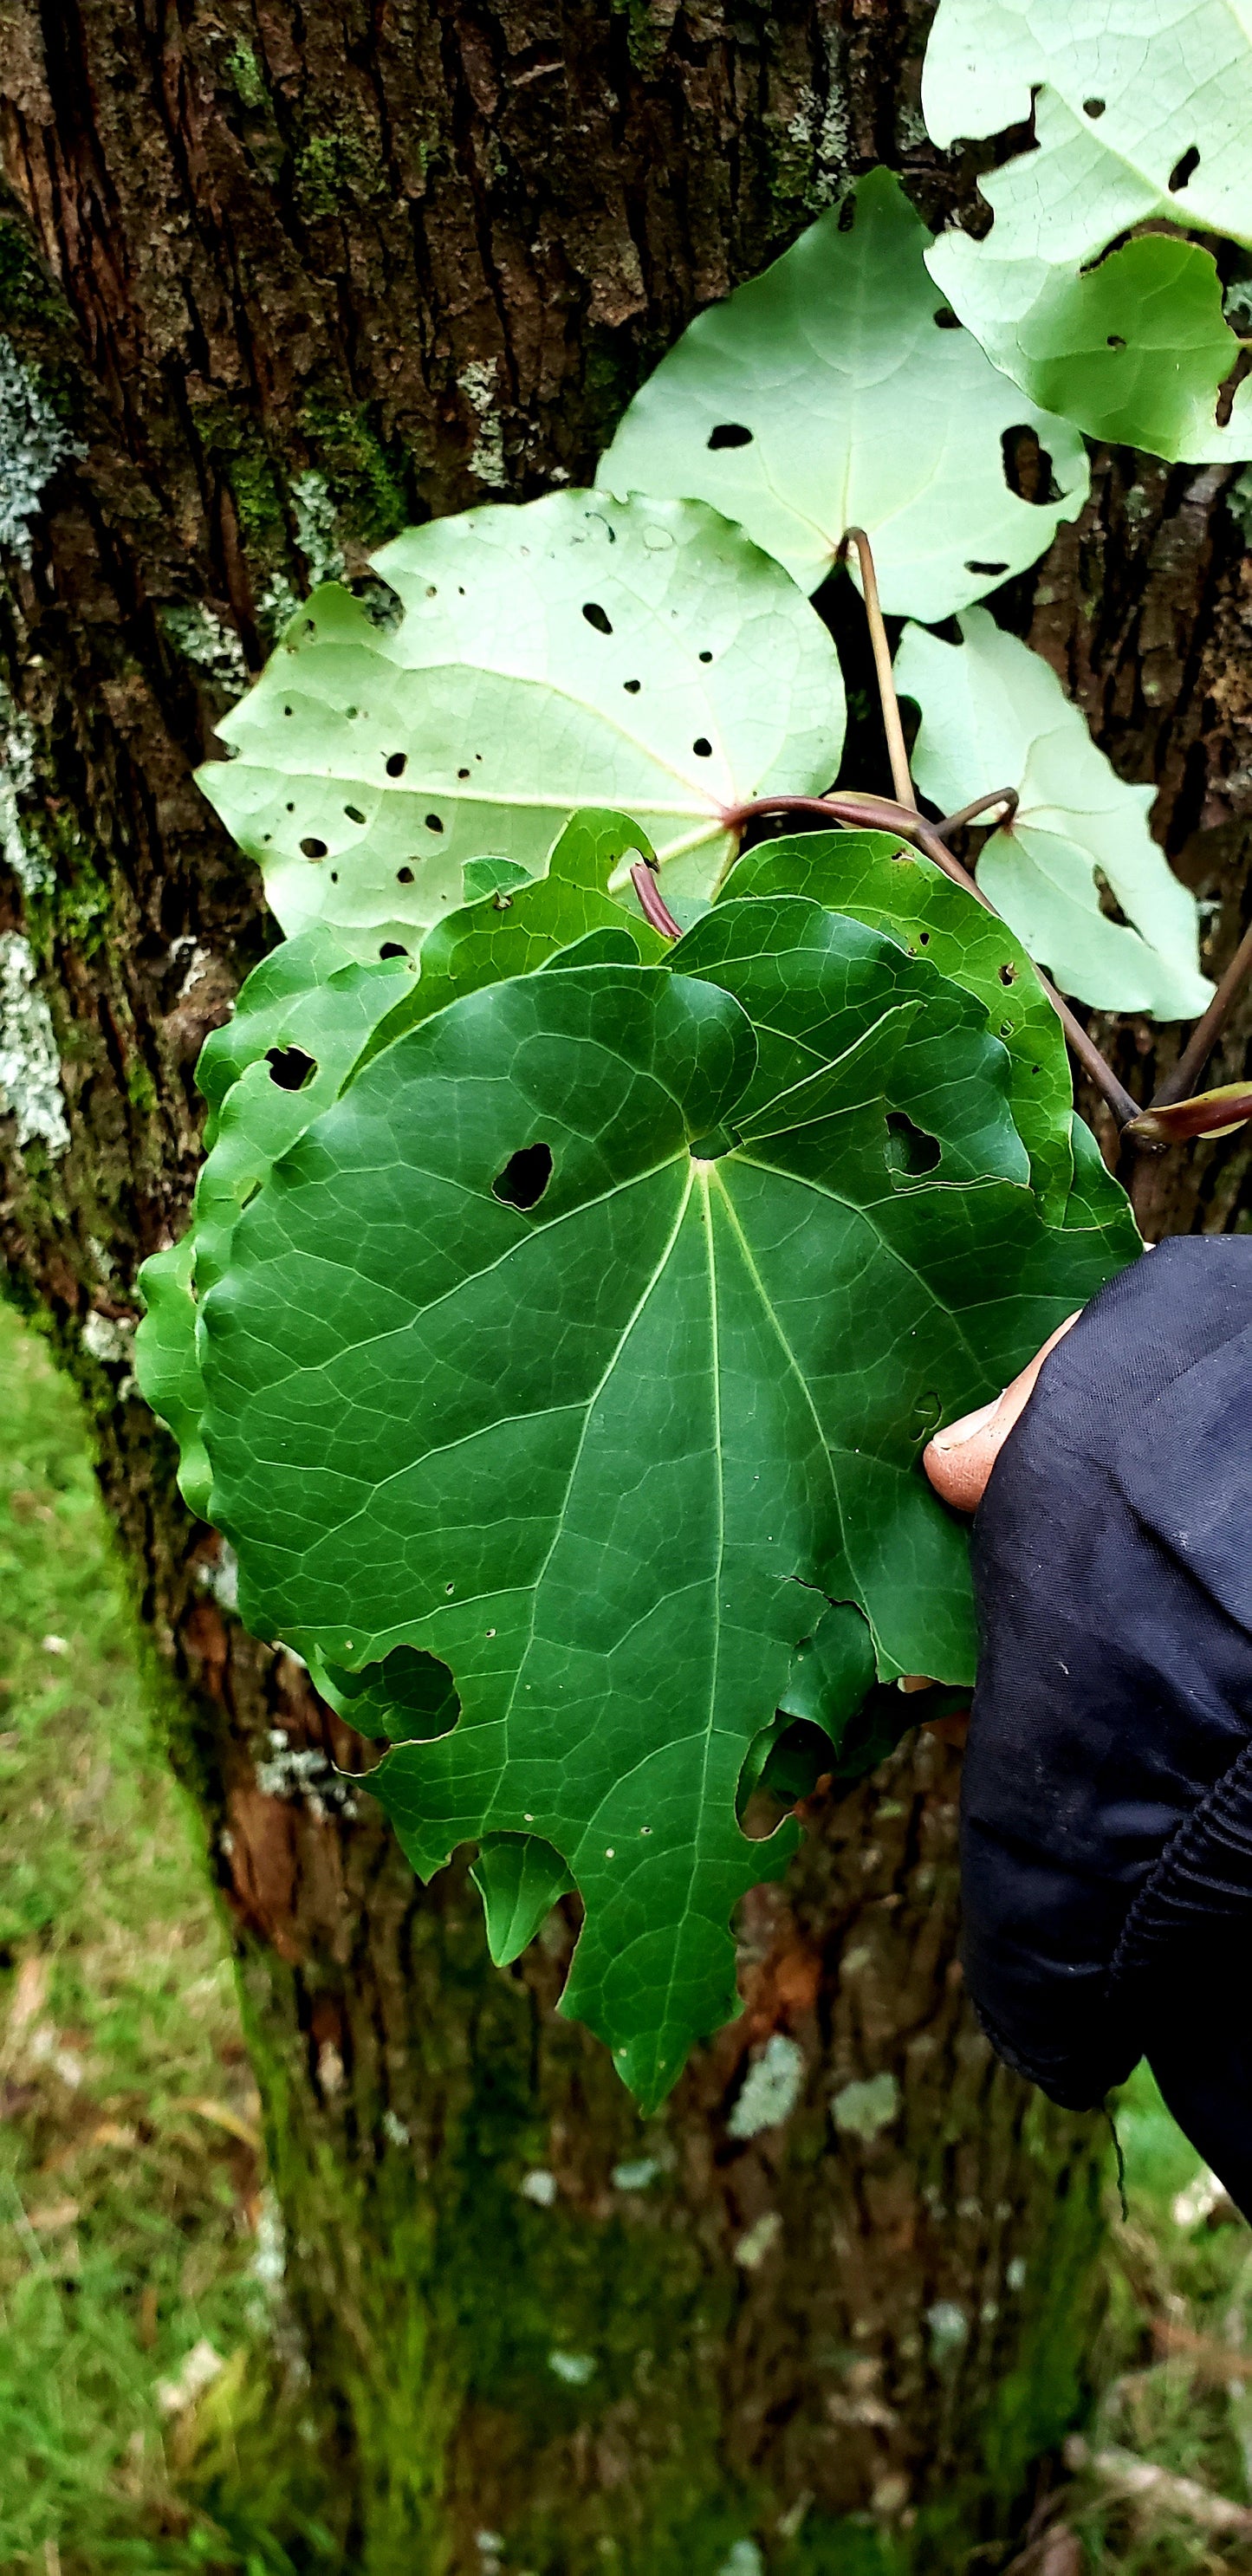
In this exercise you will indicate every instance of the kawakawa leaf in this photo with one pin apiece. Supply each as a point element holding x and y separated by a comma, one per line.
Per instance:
<point>831,1674</point>
<point>408,1697</point>
<point>587,1344</point>
<point>994,714</point>
<point>303,1019</point>
<point>1139,115</point>
<point>517,931</point>
<point>166,1364</point>
<point>640,653</point>
<point>880,880</point>
<point>1139,111</point>
<point>1135,350</point>
<point>300,1022</point>
<point>825,395</point>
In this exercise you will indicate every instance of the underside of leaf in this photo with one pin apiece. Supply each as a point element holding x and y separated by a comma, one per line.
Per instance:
<point>828,394</point>
<point>641,655</point>
<point>992,709</point>
<point>1139,117</point>
<point>1152,109</point>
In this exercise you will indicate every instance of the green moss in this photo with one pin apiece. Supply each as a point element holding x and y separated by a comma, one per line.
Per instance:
<point>364,479</point>
<point>237,447</point>
<point>140,1088</point>
<point>246,74</point>
<point>27,295</point>
<point>343,168</point>
<point>72,900</point>
<point>853,2545</point>
<point>647,40</point>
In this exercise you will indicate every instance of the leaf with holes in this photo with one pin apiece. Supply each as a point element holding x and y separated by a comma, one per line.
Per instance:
<point>825,395</point>
<point>1135,121</point>
<point>587,1344</point>
<point>879,880</point>
<point>640,654</point>
<point>531,923</point>
<point>1140,112</point>
<point>300,1022</point>
<point>992,710</point>
<point>1137,350</point>
<point>304,1018</point>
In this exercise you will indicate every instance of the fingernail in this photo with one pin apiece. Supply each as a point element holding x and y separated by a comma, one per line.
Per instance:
<point>956,1434</point>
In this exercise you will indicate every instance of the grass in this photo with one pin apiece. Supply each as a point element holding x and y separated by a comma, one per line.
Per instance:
<point>135,2233</point>
<point>134,2226</point>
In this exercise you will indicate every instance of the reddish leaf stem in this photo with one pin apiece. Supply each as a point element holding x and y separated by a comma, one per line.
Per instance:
<point>1005,796</point>
<point>1204,1036</point>
<point>652,903</point>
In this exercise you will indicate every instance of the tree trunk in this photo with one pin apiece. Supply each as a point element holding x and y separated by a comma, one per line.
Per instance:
<point>276,281</point>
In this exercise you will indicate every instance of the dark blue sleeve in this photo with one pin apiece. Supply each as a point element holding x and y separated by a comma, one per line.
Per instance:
<point>1107,1797</point>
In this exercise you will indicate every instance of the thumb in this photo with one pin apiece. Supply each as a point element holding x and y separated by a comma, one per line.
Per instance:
<point>960,1458</point>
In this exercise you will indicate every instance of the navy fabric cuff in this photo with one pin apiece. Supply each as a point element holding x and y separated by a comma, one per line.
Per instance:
<point>1107,1797</point>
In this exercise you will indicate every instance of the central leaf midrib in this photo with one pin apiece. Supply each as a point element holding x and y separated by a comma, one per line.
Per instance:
<point>708,1731</point>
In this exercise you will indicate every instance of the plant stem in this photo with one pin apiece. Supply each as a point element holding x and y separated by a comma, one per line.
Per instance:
<point>1205,1034</point>
<point>892,726</point>
<point>1005,796</point>
<point>652,903</point>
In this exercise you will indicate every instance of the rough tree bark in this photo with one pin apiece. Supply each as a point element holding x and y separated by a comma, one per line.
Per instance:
<point>287,279</point>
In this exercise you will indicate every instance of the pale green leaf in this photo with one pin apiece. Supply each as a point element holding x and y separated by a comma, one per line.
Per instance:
<point>597,1445</point>
<point>994,715</point>
<point>641,655</point>
<point>1140,111</point>
<point>1135,350</point>
<point>519,1878</point>
<point>1139,115</point>
<point>824,395</point>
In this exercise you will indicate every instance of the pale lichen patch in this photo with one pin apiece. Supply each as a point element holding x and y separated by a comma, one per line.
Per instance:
<point>478,384</point>
<point>33,442</point>
<point>18,850</point>
<point>30,1068</point>
<point>315,528</point>
<point>771,2088</point>
<point>861,2110</point>
<point>205,640</point>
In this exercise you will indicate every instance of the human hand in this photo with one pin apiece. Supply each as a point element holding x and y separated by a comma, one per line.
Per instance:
<point>960,1458</point>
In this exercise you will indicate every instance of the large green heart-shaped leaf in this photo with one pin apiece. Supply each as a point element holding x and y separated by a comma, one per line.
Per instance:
<point>640,654</point>
<point>1135,350</point>
<point>825,395</point>
<point>1139,115</point>
<point>561,1351</point>
<point>880,880</point>
<point>993,714</point>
